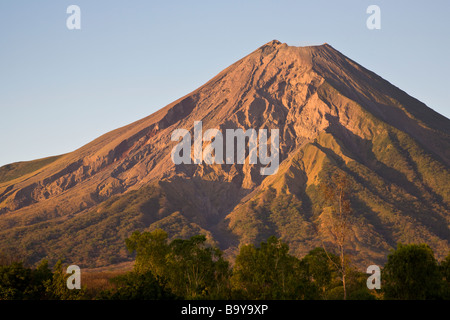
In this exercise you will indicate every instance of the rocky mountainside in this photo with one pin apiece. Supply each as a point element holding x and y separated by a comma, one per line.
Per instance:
<point>333,115</point>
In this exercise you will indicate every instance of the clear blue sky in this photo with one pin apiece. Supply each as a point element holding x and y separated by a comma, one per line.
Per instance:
<point>60,88</point>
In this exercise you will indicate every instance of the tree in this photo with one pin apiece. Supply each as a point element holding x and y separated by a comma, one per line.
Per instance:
<point>411,273</point>
<point>137,286</point>
<point>196,270</point>
<point>320,268</point>
<point>56,286</point>
<point>14,279</point>
<point>21,283</point>
<point>336,195</point>
<point>151,250</point>
<point>445,272</point>
<point>189,267</point>
<point>40,276</point>
<point>269,272</point>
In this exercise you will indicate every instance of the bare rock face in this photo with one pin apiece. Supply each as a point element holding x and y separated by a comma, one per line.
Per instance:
<point>330,113</point>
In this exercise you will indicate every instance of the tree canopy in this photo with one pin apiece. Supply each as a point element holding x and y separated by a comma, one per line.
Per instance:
<point>412,273</point>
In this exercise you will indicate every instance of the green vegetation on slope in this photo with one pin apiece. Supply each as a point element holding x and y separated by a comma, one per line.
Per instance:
<point>96,237</point>
<point>18,169</point>
<point>396,196</point>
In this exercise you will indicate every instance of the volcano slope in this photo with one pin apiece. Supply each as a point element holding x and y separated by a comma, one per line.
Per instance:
<point>333,115</point>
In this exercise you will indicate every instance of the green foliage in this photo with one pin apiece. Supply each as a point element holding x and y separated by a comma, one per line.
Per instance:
<point>269,272</point>
<point>272,212</point>
<point>320,267</point>
<point>412,273</point>
<point>137,286</point>
<point>196,271</point>
<point>191,269</point>
<point>445,268</point>
<point>56,287</point>
<point>445,271</point>
<point>151,250</point>
<point>323,267</point>
<point>357,286</point>
<point>20,283</point>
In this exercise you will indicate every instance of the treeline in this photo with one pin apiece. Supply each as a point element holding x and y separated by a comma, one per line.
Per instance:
<point>190,269</point>
<point>18,282</point>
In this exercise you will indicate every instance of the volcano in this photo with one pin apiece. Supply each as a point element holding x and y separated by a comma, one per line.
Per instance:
<point>332,115</point>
